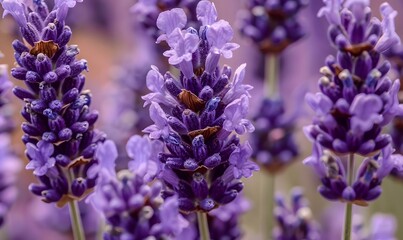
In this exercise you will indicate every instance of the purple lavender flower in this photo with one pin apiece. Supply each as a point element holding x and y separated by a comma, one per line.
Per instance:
<point>147,12</point>
<point>273,138</point>
<point>383,227</point>
<point>130,201</point>
<point>59,128</point>
<point>295,221</point>
<point>356,98</point>
<point>272,24</point>
<point>196,113</point>
<point>9,167</point>
<point>366,186</point>
<point>6,124</point>
<point>9,164</point>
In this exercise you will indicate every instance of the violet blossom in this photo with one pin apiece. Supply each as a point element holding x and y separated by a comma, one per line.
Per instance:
<point>272,24</point>
<point>147,12</point>
<point>294,221</point>
<point>59,126</point>
<point>357,99</point>
<point>367,184</point>
<point>10,165</point>
<point>273,139</point>
<point>198,113</point>
<point>130,200</point>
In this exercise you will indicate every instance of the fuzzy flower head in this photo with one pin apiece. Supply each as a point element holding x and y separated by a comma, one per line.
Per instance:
<point>199,114</point>
<point>273,139</point>
<point>59,127</point>
<point>295,221</point>
<point>366,186</point>
<point>357,99</point>
<point>6,123</point>
<point>271,24</point>
<point>130,201</point>
<point>382,227</point>
<point>147,13</point>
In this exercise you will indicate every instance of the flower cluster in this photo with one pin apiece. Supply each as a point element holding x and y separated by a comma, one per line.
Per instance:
<point>6,124</point>
<point>273,138</point>
<point>272,24</point>
<point>147,12</point>
<point>366,186</point>
<point>356,98</point>
<point>130,201</point>
<point>59,128</point>
<point>294,222</point>
<point>196,114</point>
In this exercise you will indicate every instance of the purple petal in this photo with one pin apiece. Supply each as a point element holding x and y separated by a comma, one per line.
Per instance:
<point>169,20</point>
<point>206,12</point>
<point>389,37</point>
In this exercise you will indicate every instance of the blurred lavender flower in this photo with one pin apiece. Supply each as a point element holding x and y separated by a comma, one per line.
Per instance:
<point>6,124</point>
<point>127,114</point>
<point>273,138</point>
<point>356,100</point>
<point>196,114</point>
<point>9,167</point>
<point>294,222</point>
<point>130,201</point>
<point>272,24</point>
<point>9,163</point>
<point>366,186</point>
<point>395,55</point>
<point>383,227</point>
<point>147,12</point>
<point>59,128</point>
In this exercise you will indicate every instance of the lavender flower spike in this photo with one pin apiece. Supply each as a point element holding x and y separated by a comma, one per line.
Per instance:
<point>130,201</point>
<point>199,114</point>
<point>367,185</point>
<point>295,221</point>
<point>272,24</point>
<point>357,99</point>
<point>59,129</point>
<point>273,140</point>
<point>383,227</point>
<point>9,164</point>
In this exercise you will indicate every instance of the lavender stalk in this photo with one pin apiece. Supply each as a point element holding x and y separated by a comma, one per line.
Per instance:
<point>272,26</point>
<point>203,226</point>
<point>59,130</point>
<point>356,101</point>
<point>76,223</point>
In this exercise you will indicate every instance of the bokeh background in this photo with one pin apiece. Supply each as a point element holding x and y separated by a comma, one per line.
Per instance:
<point>108,38</point>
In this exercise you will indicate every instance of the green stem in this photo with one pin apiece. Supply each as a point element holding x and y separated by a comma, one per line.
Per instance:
<point>203,226</point>
<point>270,218</point>
<point>349,205</point>
<point>76,224</point>
<point>271,75</point>
<point>267,190</point>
